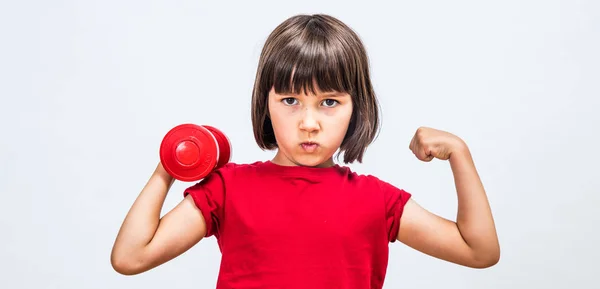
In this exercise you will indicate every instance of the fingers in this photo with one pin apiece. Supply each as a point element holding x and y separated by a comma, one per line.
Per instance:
<point>423,155</point>
<point>428,158</point>
<point>419,150</point>
<point>411,146</point>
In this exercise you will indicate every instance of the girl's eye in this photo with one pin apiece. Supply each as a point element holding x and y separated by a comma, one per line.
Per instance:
<point>289,101</point>
<point>330,102</point>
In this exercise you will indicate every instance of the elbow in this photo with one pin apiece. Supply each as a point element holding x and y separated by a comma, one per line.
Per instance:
<point>487,259</point>
<point>125,266</point>
<point>487,263</point>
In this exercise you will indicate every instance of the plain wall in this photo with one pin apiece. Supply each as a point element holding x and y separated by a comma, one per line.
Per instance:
<point>89,88</point>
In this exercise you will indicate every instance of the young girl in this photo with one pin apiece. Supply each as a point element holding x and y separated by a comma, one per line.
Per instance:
<point>300,220</point>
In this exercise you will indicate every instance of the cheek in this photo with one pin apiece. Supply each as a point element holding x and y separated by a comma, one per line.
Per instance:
<point>342,116</point>
<point>282,118</point>
<point>283,124</point>
<point>337,122</point>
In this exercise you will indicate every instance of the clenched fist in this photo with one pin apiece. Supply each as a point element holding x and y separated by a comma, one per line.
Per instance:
<point>429,143</point>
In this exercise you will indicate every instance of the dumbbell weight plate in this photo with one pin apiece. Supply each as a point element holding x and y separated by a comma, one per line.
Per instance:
<point>224,146</point>
<point>189,152</point>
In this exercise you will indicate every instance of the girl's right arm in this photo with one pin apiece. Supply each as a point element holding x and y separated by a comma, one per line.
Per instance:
<point>145,240</point>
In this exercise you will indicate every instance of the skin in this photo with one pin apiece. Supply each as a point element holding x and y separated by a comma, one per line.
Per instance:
<point>470,241</point>
<point>145,240</point>
<point>322,118</point>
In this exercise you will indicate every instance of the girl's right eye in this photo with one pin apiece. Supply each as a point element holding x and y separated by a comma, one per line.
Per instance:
<point>289,101</point>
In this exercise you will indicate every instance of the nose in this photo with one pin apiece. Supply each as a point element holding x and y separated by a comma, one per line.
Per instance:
<point>309,122</point>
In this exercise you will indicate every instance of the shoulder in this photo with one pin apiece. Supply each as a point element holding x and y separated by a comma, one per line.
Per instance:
<point>226,176</point>
<point>234,167</point>
<point>363,179</point>
<point>373,183</point>
<point>235,170</point>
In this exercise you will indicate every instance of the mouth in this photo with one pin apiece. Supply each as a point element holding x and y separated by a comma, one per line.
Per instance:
<point>309,146</point>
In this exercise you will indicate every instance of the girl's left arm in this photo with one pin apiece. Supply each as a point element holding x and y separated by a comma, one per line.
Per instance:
<point>471,240</point>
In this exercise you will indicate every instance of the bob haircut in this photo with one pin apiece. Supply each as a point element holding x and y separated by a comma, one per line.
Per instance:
<point>308,50</point>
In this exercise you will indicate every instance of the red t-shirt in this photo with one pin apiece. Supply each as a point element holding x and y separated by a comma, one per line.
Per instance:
<point>299,227</point>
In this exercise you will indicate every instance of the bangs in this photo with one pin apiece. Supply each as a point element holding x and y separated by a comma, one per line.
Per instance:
<point>315,57</point>
<point>308,54</point>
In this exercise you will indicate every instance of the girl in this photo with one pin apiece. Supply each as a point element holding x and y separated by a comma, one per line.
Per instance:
<point>300,220</point>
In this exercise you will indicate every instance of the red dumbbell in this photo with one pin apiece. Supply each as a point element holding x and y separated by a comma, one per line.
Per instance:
<point>190,152</point>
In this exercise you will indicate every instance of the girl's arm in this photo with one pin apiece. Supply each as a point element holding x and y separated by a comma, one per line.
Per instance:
<point>471,240</point>
<point>145,240</point>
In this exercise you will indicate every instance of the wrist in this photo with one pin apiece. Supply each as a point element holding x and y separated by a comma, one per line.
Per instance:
<point>460,150</point>
<point>161,173</point>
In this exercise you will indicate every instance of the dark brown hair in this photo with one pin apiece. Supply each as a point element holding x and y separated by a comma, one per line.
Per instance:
<point>319,50</point>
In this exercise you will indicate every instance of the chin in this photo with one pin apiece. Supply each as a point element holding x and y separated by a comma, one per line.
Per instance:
<point>303,158</point>
<point>310,160</point>
<point>308,163</point>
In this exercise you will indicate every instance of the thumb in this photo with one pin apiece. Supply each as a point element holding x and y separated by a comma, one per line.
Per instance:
<point>424,154</point>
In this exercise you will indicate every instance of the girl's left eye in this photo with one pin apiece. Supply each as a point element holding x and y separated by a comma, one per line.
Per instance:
<point>330,102</point>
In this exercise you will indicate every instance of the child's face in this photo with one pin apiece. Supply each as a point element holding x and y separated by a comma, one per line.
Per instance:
<point>309,128</point>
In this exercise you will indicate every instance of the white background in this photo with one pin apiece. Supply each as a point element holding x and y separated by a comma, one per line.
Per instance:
<point>89,88</point>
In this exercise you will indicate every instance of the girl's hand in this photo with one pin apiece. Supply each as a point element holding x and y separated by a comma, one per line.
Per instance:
<point>429,143</point>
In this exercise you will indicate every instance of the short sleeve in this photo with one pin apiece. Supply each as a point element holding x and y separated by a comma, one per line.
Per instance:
<point>209,197</point>
<point>395,200</point>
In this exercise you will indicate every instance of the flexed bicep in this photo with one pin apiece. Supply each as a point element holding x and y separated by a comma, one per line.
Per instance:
<point>178,231</point>
<point>433,235</point>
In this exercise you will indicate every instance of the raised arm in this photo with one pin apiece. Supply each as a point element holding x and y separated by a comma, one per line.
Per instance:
<point>145,240</point>
<point>471,240</point>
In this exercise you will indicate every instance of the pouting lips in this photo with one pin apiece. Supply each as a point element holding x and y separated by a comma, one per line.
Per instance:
<point>309,146</point>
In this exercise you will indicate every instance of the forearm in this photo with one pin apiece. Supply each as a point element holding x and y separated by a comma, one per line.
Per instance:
<point>474,220</point>
<point>142,220</point>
